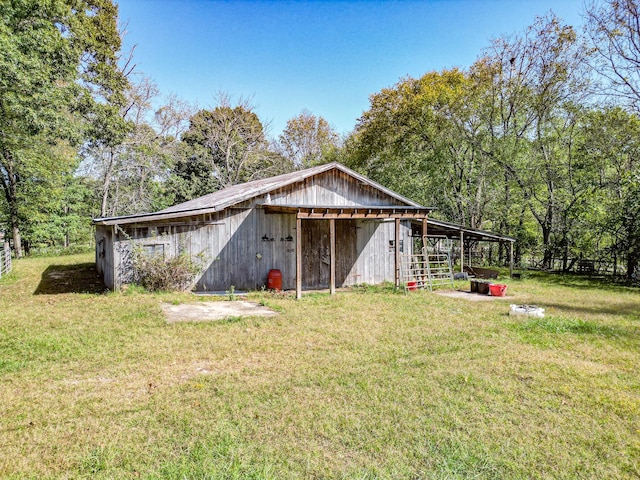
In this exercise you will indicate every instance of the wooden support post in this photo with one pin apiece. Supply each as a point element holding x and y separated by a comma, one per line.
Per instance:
<point>461,251</point>
<point>511,260</point>
<point>114,250</point>
<point>424,235</point>
<point>397,245</point>
<point>298,258</point>
<point>332,247</point>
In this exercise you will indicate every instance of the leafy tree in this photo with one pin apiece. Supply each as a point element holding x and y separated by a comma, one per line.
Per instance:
<point>421,138</point>
<point>493,147</point>
<point>610,140</point>
<point>613,27</point>
<point>307,140</point>
<point>65,219</point>
<point>222,147</point>
<point>132,172</point>
<point>629,215</point>
<point>57,67</point>
<point>536,82</point>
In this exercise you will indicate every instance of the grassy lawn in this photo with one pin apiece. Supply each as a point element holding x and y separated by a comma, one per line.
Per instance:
<point>365,384</point>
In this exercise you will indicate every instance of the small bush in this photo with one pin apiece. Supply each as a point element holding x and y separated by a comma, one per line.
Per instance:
<point>158,273</point>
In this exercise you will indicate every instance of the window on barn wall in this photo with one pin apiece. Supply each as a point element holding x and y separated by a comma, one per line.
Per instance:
<point>153,249</point>
<point>392,246</point>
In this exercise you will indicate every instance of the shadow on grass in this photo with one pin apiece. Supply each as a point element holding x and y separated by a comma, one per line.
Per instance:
<point>78,278</point>
<point>585,282</point>
<point>628,309</point>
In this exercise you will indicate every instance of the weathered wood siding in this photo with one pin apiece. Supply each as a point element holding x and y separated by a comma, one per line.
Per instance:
<point>239,245</point>
<point>104,255</point>
<point>330,188</point>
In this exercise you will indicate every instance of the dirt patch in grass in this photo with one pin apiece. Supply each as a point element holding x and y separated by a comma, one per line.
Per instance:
<point>208,311</point>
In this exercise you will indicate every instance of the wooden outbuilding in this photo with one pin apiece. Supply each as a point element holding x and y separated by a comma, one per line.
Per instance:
<point>323,227</point>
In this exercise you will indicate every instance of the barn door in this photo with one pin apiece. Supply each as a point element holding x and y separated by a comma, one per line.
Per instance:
<point>346,253</point>
<point>316,262</point>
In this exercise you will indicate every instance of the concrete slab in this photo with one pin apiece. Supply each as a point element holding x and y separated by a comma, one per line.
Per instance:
<point>472,297</point>
<point>208,311</point>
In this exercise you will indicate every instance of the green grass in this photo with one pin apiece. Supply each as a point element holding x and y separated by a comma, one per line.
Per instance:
<point>363,384</point>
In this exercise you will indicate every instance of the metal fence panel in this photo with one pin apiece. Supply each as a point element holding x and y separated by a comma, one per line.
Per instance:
<point>5,261</point>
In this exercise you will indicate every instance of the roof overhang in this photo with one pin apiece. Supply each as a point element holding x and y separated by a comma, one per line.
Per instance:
<point>153,217</point>
<point>439,228</point>
<point>350,212</point>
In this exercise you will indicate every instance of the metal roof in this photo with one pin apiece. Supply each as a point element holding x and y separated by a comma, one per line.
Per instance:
<point>221,199</point>
<point>217,201</point>
<point>437,228</point>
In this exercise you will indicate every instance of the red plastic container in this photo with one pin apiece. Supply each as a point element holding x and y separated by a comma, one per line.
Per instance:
<point>412,286</point>
<point>274,280</point>
<point>497,289</point>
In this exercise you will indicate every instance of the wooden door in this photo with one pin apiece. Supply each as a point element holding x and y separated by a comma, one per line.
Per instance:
<point>346,252</point>
<point>316,260</point>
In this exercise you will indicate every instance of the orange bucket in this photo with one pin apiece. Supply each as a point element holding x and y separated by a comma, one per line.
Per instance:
<point>274,280</point>
<point>497,289</point>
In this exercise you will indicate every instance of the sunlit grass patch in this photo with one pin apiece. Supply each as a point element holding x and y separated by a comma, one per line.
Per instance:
<point>371,383</point>
<point>561,325</point>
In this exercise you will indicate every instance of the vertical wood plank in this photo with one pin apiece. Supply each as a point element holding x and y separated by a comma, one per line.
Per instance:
<point>424,234</point>
<point>397,245</point>
<point>115,259</point>
<point>298,258</point>
<point>332,253</point>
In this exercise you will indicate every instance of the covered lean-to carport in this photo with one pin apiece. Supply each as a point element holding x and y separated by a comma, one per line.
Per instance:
<point>465,237</point>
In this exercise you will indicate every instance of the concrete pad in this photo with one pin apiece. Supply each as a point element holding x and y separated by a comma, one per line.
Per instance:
<point>207,311</point>
<point>472,297</point>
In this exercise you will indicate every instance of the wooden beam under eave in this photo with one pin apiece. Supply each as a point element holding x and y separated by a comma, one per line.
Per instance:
<point>298,258</point>
<point>332,247</point>
<point>359,215</point>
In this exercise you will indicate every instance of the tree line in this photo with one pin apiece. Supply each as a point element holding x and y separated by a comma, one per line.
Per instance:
<point>538,139</point>
<point>82,135</point>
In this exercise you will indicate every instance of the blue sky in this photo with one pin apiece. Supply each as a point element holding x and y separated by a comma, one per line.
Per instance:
<point>323,56</point>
